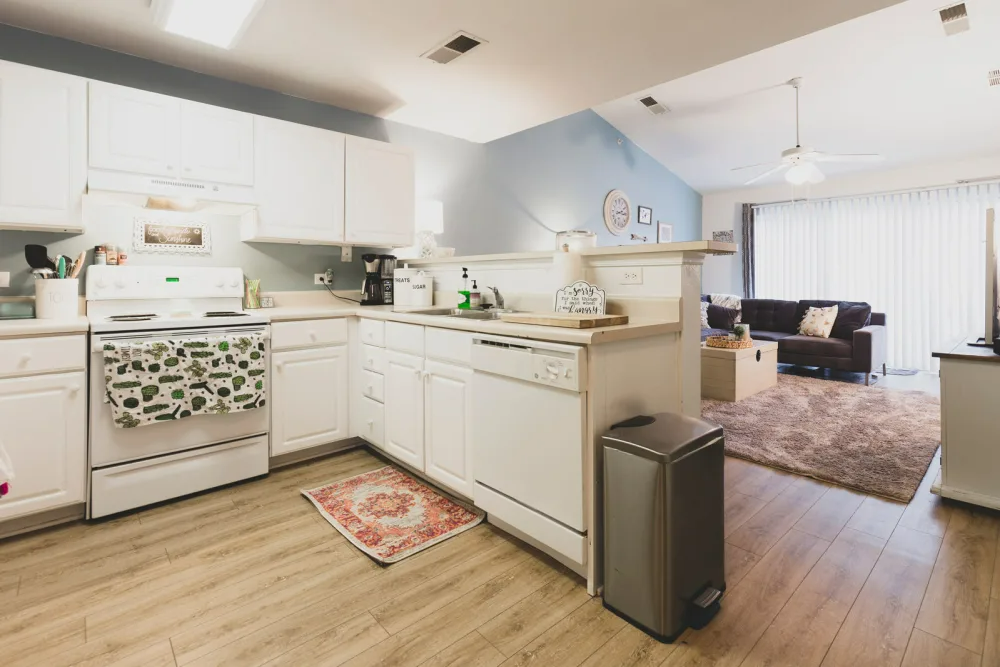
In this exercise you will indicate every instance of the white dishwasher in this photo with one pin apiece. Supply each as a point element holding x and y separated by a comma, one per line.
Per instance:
<point>529,419</point>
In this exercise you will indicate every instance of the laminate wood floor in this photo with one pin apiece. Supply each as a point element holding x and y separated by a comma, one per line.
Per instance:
<point>252,575</point>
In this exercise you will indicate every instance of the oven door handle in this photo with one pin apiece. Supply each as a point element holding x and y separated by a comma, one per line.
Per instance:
<point>97,345</point>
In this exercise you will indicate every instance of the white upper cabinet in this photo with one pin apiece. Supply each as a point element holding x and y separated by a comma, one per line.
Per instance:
<point>299,176</point>
<point>216,144</point>
<point>139,132</point>
<point>379,194</point>
<point>43,149</point>
<point>134,131</point>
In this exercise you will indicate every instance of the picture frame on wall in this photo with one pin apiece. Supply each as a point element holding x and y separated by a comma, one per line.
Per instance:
<point>171,237</point>
<point>664,233</point>
<point>723,236</point>
<point>645,215</point>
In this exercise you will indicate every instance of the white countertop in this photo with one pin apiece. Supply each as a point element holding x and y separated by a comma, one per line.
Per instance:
<point>35,327</point>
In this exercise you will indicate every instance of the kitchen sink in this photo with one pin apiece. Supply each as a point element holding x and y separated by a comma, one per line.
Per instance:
<point>491,314</point>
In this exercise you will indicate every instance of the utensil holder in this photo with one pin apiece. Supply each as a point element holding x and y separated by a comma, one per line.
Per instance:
<point>57,299</point>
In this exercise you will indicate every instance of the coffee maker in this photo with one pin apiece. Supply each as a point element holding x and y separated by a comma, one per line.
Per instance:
<point>371,289</point>
<point>388,269</point>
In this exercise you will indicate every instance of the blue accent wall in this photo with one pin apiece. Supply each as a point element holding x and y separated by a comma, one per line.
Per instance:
<point>503,196</point>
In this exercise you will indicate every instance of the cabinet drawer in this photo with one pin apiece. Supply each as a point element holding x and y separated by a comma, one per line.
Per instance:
<point>372,332</point>
<point>448,345</point>
<point>308,333</point>
<point>373,359</point>
<point>404,337</point>
<point>31,356</point>
<point>372,418</point>
<point>373,386</point>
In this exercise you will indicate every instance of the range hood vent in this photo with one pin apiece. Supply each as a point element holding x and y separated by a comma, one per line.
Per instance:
<point>994,77</point>
<point>456,46</point>
<point>200,195</point>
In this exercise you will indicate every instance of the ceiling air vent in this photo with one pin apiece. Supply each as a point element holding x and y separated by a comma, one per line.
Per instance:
<point>458,45</point>
<point>994,77</point>
<point>954,19</point>
<point>652,106</point>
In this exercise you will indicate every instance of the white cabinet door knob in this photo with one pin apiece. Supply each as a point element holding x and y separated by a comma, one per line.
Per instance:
<point>25,358</point>
<point>369,390</point>
<point>371,363</point>
<point>371,423</point>
<point>279,365</point>
<point>170,167</point>
<point>312,335</point>
<point>73,388</point>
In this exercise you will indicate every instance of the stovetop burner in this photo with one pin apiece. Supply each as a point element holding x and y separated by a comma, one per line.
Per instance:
<point>139,317</point>
<point>225,313</point>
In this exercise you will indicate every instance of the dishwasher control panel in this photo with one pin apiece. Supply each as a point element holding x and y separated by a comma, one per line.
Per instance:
<point>554,371</point>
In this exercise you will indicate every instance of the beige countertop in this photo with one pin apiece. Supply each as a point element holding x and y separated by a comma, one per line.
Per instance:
<point>636,328</point>
<point>35,327</point>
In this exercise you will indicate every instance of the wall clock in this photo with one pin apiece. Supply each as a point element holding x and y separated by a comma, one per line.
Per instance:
<point>617,212</point>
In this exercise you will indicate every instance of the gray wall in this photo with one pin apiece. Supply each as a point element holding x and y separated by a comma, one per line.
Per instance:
<point>498,197</point>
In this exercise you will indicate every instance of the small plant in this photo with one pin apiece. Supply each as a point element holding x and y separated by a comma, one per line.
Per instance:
<point>741,331</point>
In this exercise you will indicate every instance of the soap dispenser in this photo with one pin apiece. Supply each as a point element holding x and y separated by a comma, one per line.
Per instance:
<point>475,297</point>
<point>464,294</point>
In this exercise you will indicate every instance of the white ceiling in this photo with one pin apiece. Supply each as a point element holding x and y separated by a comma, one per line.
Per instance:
<point>890,82</point>
<point>545,58</point>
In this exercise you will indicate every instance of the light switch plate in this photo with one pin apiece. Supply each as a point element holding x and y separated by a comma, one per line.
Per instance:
<point>630,275</point>
<point>4,279</point>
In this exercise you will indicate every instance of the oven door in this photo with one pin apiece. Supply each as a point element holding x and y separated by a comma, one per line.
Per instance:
<point>111,445</point>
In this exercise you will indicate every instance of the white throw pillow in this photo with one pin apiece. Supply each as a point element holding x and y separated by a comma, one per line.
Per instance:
<point>818,322</point>
<point>704,314</point>
<point>729,301</point>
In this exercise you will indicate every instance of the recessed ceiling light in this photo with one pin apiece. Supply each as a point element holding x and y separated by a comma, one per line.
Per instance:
<point>217,22</point>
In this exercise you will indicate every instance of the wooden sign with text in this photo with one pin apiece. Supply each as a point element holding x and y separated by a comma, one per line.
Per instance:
<point>581,298</point>
<point>158,236</point>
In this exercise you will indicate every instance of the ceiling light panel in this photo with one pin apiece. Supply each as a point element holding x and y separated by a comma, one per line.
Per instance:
<point>217,22</point>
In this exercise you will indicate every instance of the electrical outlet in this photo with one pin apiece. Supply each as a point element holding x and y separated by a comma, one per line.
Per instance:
<point>630,276</point>
<point>4,278</point>
<point>319,279</point>
<point>345,253</point>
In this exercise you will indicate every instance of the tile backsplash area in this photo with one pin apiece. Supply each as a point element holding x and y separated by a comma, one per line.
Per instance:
<point>280,267</point>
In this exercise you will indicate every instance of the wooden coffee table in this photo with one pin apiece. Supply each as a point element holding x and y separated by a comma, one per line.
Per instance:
<point>732,375</point>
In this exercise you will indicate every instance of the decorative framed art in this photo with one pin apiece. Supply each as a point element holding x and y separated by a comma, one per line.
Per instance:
<point>645,216</point>
<point>664,232</point>
<point>723,236</point>
<point>157,236</point>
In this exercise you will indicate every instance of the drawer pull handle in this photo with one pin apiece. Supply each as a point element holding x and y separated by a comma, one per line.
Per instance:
<point>312,334</point>
<point>371,363</point>
<point>25,358</point>
<point>369,390</point>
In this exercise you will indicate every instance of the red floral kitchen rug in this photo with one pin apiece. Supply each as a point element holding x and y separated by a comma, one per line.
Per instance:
<point>390,515</point>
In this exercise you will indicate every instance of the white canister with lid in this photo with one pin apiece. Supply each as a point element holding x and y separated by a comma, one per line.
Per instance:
<point>422,290</point>
<point>402,280</point>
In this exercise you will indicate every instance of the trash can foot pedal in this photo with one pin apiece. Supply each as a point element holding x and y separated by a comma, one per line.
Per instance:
<point>704,607</point>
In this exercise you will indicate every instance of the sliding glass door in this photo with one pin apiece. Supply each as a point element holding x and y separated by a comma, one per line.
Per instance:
<point>919,257</point>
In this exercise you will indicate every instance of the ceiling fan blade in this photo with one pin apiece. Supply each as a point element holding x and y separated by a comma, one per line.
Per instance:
<point>858,157</point>
<point>760,164</point>
<point>769,172</point>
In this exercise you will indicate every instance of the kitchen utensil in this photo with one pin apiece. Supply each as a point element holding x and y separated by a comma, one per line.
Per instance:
<point>566,320</point>
<point>61,266</point>
<point>43,273</point>
<point>37,257</point>
<point>78,265</point>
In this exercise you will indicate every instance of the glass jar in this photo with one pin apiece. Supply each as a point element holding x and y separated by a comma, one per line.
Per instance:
<point>575,240</point>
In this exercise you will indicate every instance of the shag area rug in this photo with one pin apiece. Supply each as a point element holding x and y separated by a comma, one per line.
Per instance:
<point>878,441</point>
<point>390,515</point>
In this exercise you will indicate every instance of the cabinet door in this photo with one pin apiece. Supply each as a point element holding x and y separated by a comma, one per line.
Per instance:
<point>45,434</point>
<point>404,408</point>
<point>134,131</point>
<point>43,148</point>
<point>447,422</point>
<point>309,398</point>
<point>379,193</point>
<point>216,144</point>
<point>299,183</point>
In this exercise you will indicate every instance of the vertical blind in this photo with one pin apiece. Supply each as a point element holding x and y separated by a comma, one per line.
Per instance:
<point>919,257</point>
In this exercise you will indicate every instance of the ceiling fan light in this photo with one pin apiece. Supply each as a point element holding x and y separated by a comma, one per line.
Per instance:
<point>804,172</point>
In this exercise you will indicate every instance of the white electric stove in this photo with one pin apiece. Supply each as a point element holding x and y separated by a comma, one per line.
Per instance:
<point>134,467</point>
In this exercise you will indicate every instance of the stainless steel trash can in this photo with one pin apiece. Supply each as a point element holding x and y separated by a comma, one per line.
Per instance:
<point>664,559</point>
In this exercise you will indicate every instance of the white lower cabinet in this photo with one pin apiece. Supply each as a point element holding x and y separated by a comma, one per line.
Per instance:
<point>44,431</point>
<point>309,398</point>
<point>404,407</point>
<point>447,424</point>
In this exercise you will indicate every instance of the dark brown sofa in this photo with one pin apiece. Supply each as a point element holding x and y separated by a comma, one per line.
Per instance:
<point>856,344</point>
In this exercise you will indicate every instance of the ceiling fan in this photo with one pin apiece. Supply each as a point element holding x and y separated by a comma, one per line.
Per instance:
<point>799,163</point>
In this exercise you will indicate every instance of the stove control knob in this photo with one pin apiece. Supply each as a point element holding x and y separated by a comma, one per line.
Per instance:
<point>234,283</point>
<point>220,284</point>
<point>120,283</point>
<point>101,283</point>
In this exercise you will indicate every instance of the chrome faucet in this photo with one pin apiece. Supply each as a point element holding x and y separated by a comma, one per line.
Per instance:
<point>497,297</point>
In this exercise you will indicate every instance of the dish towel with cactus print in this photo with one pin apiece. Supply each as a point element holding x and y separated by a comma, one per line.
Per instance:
<point>165,380</point>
